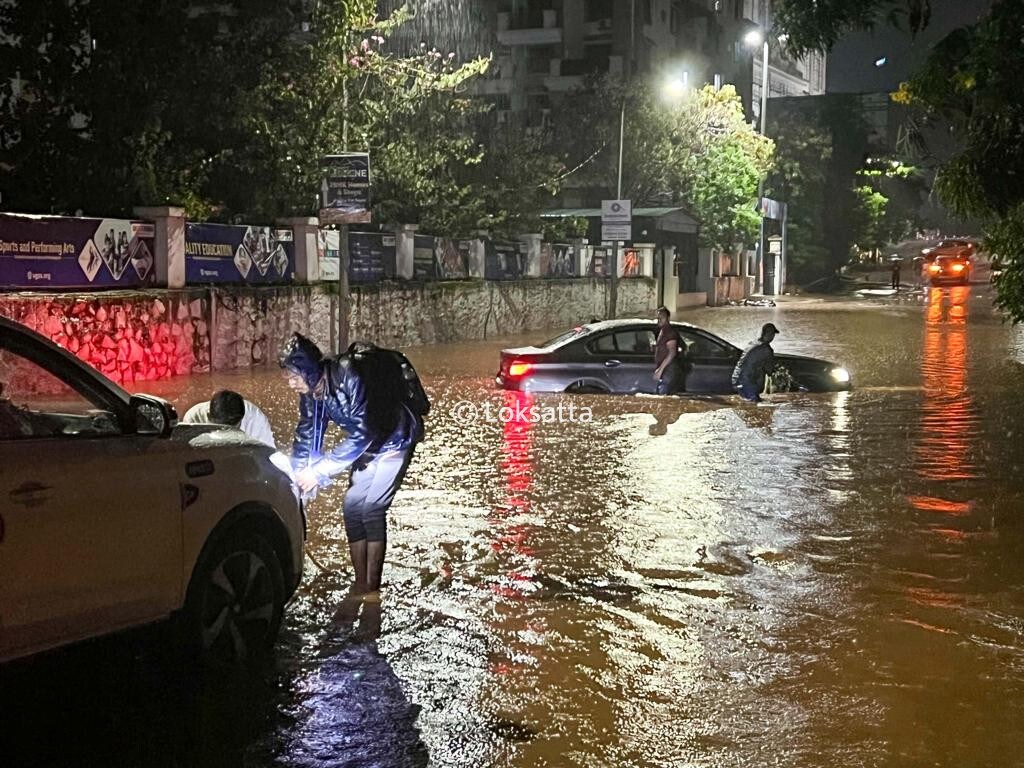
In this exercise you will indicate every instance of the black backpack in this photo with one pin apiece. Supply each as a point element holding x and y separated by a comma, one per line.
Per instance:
<point>398,364</point>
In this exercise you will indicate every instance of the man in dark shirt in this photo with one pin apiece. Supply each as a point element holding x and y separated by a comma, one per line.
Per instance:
<point>669,357</point>
<point>756,362</point>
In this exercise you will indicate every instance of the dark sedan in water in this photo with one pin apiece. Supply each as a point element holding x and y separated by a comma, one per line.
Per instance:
<point>618,356</point>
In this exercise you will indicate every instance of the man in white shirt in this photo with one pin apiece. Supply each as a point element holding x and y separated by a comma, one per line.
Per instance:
<point>232,410</point>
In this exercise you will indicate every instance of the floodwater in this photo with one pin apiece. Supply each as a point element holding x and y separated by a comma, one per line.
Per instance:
<point>834,579</point>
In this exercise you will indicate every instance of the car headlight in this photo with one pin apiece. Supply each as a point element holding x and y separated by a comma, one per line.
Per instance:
<point>840,375</point>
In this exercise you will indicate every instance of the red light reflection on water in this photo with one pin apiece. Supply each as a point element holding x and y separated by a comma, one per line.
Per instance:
<point>943,451</point>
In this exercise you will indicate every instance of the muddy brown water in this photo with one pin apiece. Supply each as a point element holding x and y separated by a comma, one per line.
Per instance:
<point>834,579</point>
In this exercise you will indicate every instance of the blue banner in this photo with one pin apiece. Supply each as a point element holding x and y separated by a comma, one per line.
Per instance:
<point>504,261</point>
<point>371,257</point>
<point>224,253</point>
<point>54,252</point>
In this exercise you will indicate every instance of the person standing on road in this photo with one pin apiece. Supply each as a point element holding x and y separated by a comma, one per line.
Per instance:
<point>365,392</point>
<point>669,357</point>
<point>232,410</point>
<point>896,274</point>
<point>755,364</point>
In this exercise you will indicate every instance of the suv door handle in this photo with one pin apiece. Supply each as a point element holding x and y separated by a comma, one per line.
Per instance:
<point>612,363</point>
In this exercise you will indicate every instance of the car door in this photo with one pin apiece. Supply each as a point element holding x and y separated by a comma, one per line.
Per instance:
<point>90,514</point>
<point>616,359</point>
<point>711,361</point>
<point>635,348</point>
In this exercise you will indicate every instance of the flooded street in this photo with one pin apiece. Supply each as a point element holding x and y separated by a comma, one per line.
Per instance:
<point>833,579</point>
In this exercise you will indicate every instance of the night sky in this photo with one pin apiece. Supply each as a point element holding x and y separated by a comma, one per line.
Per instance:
<point>851,64</point>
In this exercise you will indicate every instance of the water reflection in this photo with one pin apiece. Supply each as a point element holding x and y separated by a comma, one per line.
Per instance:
<point>948,418</point>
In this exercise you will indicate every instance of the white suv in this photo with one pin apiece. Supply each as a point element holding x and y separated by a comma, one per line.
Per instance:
<point>113,516</point>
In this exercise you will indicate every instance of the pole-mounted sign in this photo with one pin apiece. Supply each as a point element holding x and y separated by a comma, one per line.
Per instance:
<point>346,189</point>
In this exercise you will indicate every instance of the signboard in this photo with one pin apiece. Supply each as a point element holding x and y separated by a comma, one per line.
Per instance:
<point>772,209</point>
<point>224,253</point>
<point>557,260</point>
<point>616,212</point>
<point>62,252</point>
<point>504,261</point>
<point>371,256</point>
<point>346,189</point>
<point>616,220</point>
<point>614,232</point>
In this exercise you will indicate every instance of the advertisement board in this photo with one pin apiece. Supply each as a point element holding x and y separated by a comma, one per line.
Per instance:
<point>371,256</point>
<point>346,189</point>
<point>226,253</point>
<point>504,261</point>
<point>557,260</point>
<point>53,252</point>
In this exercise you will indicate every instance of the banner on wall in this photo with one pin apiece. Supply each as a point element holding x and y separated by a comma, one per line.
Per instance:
<point>599,260</point>
<point>504,261</point>
<point>63,252</point>
<point>328,246</point>
<point>371,256</point>
<point>557,260</point>
<point>452,258</point>
<point>424,262</point>
<point>225,253</point>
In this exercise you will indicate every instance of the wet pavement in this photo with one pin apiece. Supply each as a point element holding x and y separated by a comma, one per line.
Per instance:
<point>834,579</point>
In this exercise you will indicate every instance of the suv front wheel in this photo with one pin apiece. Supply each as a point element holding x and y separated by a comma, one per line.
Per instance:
<point>236,600</point>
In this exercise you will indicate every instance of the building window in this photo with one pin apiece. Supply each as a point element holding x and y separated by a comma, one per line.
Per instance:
<point>598,9</point>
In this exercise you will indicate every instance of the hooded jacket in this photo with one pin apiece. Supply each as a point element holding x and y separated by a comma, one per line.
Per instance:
<point>341,398</point>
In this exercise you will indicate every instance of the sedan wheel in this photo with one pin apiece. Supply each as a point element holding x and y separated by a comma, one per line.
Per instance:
<point>237,601</point>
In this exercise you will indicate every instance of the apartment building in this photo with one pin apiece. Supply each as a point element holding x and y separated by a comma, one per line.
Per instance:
<point>546,48</point>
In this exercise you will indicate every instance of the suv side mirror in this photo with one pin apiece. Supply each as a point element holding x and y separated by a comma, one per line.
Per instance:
<point>152,416</point>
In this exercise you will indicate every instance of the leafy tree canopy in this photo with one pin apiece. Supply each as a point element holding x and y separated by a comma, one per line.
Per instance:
<point>816,25</point>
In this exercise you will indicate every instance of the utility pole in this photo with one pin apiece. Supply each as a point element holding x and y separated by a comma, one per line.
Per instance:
<point>613,287</point>
<point>343,254</point>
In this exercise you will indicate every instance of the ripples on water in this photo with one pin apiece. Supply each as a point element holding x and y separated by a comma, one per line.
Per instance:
<point>833,580</point>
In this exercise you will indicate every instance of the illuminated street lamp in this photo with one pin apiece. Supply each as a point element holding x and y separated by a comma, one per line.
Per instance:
<point>752,40</point>
<point>675,87</point>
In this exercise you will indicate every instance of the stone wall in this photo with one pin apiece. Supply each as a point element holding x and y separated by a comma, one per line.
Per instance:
<point>138,336</point>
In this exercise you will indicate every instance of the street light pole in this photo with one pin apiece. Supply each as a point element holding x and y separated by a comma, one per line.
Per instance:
<point>613,287</point>
<point>760,183</point>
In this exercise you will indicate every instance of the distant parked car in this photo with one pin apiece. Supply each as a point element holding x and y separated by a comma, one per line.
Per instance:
<point>950,269</point>
<point>112,516</point>
<point>964,249</point>
<point>617,356</point>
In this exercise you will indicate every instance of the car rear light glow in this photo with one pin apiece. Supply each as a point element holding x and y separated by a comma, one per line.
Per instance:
<point>934,268</point>
<point>519,368</point>
<point>958,267</point>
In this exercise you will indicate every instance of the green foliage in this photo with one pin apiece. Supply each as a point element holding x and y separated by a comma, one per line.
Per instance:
<point>803,155</point>
<point>121,103</point>
<point>816,25</point>
<point>697,152</point>
<point>972,82</point>
<point>343,90</point>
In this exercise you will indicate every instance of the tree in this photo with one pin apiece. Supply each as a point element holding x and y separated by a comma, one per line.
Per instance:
<point>816,25</point>
<point>118,103</point>
<point>697,152</point>
<point>803,152</point>
<point>971,82</point>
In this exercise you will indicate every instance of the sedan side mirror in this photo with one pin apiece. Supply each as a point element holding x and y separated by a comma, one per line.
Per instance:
<point>152,416</point>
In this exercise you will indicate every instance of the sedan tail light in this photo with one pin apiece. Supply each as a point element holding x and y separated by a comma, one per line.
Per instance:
<point>518,368</point>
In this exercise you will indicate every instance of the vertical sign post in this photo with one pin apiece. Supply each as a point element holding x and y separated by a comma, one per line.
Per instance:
<point>346,200</point>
